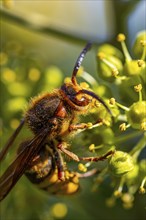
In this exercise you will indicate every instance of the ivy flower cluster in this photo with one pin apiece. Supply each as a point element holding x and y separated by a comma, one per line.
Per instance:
<point>123,79</point>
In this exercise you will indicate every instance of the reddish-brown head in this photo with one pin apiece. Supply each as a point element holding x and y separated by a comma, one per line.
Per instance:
<point>76,94</point>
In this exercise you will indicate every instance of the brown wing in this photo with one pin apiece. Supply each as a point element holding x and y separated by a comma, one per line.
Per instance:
<point>19,165</point>
<point>11,140</point>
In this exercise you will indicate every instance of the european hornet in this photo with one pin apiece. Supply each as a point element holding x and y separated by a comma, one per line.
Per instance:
<point>52,118</point>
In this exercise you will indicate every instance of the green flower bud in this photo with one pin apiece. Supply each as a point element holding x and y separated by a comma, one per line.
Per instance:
<point>107,136</point>
<point>105,72</point>
<point>131,176</point>
<point>108,49</point>
<point>126,89</point>
<point>131,68</point>
<point>102,137</point>
<point>102,91</point>
<point>136,116</point>
<point>120,163</point>
<point>116,62</point>
<point>109,67</point>
<point>142,167</point>
<point>137,47</point>
<point>102,114</point>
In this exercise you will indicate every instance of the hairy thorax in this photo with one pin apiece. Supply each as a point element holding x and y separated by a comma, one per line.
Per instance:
<point>49,112</point>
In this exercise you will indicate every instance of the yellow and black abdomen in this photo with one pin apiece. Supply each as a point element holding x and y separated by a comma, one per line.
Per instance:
<point>44,174</point>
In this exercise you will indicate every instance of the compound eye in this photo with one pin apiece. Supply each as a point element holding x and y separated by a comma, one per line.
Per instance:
<point>71,91</point>
<point>82,100</point>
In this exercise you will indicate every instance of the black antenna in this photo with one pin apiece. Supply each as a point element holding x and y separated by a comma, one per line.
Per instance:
<point>79,61</point>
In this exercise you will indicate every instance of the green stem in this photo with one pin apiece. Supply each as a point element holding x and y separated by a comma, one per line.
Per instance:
<point>138,148</point>
<point>120,187</point>
<point>143,182</point>
<point>109,64</point>
<point>126,137</point>
<point>90,79</point>
<point>125,51</point>
<point>140,96</point>
<point>101,176</point>
<point>122,106</point>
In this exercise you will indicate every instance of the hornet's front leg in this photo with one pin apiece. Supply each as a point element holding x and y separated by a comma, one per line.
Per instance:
<point>63,147</point>
<point>84,126</point>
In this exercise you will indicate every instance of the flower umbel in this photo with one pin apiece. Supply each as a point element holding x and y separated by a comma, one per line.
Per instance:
<point>128,78</point>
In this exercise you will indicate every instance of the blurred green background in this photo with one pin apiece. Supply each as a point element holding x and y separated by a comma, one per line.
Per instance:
<point>40,39</point>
